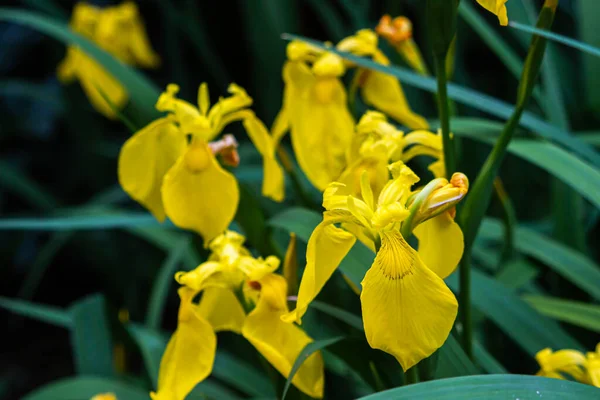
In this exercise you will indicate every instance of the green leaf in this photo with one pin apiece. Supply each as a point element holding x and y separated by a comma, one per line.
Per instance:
<point>101,220</point>
<point>20,184</point>
<point>517,273</point>
<point>143,94</point>
<point>570,169</point>
<point>529,329</point>
<point>162,282</point>
<point>587,14</point>
<point>491,38</point>
<point>471,98</point>
<point>453,361</point>
<point>345,316</point>
<point>486,360</point>
<point>512,315</point>
<point>573,312</point>
<point>91,337</point>
<point>576,44</point>
<point>86,387</point>
<point>51,315</point>
<point>306,352</point>
<point>491,387</point>
<point>570,264</point>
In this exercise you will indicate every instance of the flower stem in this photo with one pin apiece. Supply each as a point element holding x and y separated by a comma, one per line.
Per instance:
<point>464,300</point>
<point>411,376</point>
<point>444,113</point>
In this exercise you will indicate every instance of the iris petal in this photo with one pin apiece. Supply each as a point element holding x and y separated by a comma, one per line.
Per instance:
<point>441,244</point>
<point>279,342</point>
<point>408,311</point>
<point>200,195</point>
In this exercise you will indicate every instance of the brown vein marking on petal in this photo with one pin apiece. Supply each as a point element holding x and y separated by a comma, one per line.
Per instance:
<point>396,258</point>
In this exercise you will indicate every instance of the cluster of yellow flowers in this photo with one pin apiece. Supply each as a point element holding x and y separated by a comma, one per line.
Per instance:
<point>241,294</point>
<point>369,194</point>
<point>119,31</point>
<point>565,364</point>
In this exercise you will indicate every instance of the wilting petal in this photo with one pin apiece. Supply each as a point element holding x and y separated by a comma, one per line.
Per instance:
<point>279,342</point>
<point>190,354</point>
<point>384,92</point>
<point>222,309</point>
<point>200,195</point>
<point>408,311</point>
<point>144,160</point>
<point>321,125</point>
<point>441,244</point>
<point>327,247</point>
<point>496,7</point>
<point>273,181</point>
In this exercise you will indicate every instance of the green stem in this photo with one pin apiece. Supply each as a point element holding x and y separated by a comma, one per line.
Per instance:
<point>472,214</point>
<point>444,113</point>
<point>464,300</point>
<point>411,376</point>
<point>510,221</point>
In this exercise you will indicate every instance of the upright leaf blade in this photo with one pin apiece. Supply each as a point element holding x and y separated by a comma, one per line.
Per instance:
<point>91,337</point>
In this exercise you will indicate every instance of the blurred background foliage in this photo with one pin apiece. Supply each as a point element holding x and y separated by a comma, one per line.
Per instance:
<point>58,162</point>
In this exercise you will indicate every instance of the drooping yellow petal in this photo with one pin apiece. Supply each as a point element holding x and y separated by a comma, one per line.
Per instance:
<point>592,366</point>
<point>139,44</point>
<point>144,160</point>
<point>273,180</point>
<point>93,78</point>
<point>280,126</point>
<point>221,308</point>
<point>190,354</point>
<point>552,364</point>
<point>496,7</point>
<point>384,92</point>
<point>327,247</point>
<point>441,244</point>
<point>200,195</point>
<point>104,396</point>
<point>279,342</point>
<point>408,311</point>
<point>198,278</point>
<point>321,124</point>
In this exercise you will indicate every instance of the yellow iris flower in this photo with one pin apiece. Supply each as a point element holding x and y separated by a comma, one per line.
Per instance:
<point>564,364</point>
<point>496,7</point>
<point>407,308</point>
<point>239,294</point>
<point>377,143</point>
<point>119,30</point>
<point>314,106</point>
<point>180,178</point>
